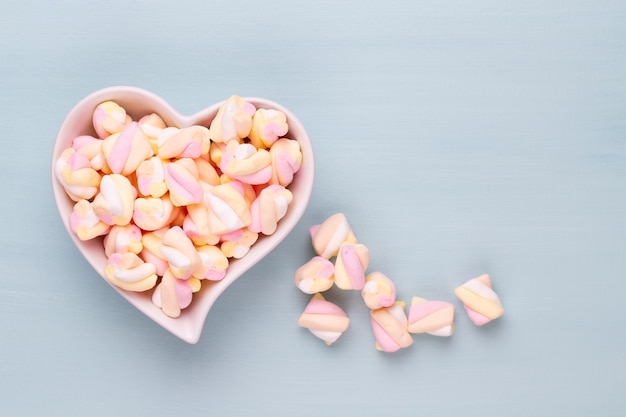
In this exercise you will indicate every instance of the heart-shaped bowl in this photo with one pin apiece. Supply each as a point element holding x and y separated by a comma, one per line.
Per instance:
<point>139,102</point>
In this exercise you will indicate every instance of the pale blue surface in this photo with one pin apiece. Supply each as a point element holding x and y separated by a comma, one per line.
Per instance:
<point>458,137</point>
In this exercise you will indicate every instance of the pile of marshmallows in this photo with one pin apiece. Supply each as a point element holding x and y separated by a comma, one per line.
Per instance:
<point>174,204</point>
<point>391,327</point>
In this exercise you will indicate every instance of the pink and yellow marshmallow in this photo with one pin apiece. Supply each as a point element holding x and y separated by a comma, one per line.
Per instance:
<point>237,244</point>
<point>350,265</point>
<point>233,120</point>
<point>109,118</point>
<point>244,162</point>
<point>129,272</point>
<point>213,263</point>
<point>267,126</point>
<point>326,320</point>
<point>151,250</point>
<point>480,301</point>
<point>389,326</point>
<point>317,275</point>
<point>180,253</point>
<point>151,177</point>
<point>378,291</point>
<point>153,213</point>
<point>172,295</point>
<point>152,125</point>
<point>85,223</point>
<point>330,235</point>
<point>183,182</point>
<point>188,142</point>
<point>122,239</point>
<point>268,208</point>
<point>91,148</point>
<point>286,157</point>
<point>75,173</point>
<point>227,207</point>
<point>115,201</point>
<point>432,317</point>
<point>124,151</point>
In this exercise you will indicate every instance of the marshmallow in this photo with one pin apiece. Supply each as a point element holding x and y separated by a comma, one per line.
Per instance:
<point>228,209</point>
<point>124,151</point>
<point>79,180</point>
<point>91,148</point>
<point>213,263</point>
<point>325,320</point>
<point>328,236</point>
<point>151,177</point>
<point>244,162</point>
<point>85,223</point>
<point>172,294</point>
<point>286,160</point>
<point>268,208</point>
<point>188,142</point>
<point>389,326</point>
<point>236,244</point>
<point>151,250</point>
<point>114,204</point>
<point>153,213</point>
<point>317,275</point>
<point>267,126</point>
<point>122,239</point>
<point>180,252</point>
<point>206,172</point>
<point>432,317</point>
<point>378,291</point>
<point>109,118</point>
<point>129,272</point>
<point>152,125</point>
<point>480,301</point>
<point>350,265</point>
<point>183,183</point>
<point>233,120</point>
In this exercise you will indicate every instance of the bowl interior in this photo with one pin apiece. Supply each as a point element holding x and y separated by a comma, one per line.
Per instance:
<point>137,103</point>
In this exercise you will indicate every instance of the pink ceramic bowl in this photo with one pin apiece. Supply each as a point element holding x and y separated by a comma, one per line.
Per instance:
<point>138,102</point>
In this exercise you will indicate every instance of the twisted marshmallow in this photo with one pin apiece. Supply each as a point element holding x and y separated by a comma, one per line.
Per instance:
<point>213,263</point>
<point>85,223</point>
<point>180,253</point>
<point>172,294</point>
<point>286,157</point>
<point>237,244</point>
<point>330,235</point>
<point>324,319</point>
<point>79,180</point>
<point>151,177</point>
<point>267,126</point>
<point>109,118</point>
<point>183,182</point>
<point>114,203</point>
<point>432,317</point>
<point>378,291</point>
<point>350,265</point>
<point>233,120</point>
<point>480,301</point>
<point>268,208</point>
<point>389,326</point>
<point>122,239</point>
<point>188,142</point>
<point>129,272</point>
<point>244,162</point>
<point>317,275</point>
<point>124,151</point>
